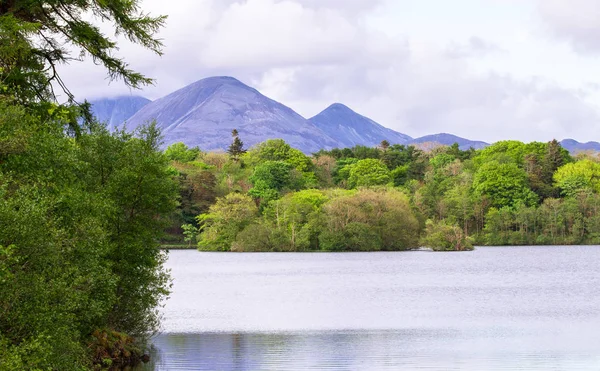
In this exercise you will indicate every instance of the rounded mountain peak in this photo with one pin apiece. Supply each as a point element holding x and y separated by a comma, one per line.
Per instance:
<point>216,81</point>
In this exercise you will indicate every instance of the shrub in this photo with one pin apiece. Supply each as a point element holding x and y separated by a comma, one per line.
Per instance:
<point>441,236</point>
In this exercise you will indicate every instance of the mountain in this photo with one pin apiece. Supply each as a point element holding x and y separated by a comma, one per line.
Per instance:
<point>350,129</point>
<point>448,140</point>
<point>574,146</point>
<point>115,111</point>
<point>205,112</point>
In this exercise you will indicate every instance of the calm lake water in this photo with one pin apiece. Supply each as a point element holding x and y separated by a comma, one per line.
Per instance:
<point>500,308</point>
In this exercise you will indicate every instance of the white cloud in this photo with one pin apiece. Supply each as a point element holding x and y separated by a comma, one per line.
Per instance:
<point>433,93</point>
<point>575,21</point>
<point>311,53</point>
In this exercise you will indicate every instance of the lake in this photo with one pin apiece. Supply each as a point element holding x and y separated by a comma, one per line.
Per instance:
<point>495,308</point>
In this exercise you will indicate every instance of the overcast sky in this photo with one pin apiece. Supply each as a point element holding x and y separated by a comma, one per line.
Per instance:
<point>481,69</point>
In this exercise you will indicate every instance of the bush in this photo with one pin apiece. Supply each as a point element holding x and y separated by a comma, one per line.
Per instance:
<point>441,236</point>
<point>385,212</point>
<point>354,237</point>
<point>224,220</point>
<point>260,237</point>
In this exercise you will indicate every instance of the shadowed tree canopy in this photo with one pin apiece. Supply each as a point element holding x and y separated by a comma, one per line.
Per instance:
<point>38,35</point>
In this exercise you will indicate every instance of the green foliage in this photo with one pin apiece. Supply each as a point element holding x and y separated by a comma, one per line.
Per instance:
<point>279,150</point>
<point>399,175</point>
<point>490,196</point>
<point>455,151</point>
<point>37,36</point>
<point>353,237</point>
<point>384,212</point>
<point>224,220</point>
<point>114,349</point>
<point>275,175</point>
<point>578,176</point>
<point>236,149</point>
<point>260,237</point>
<point>181,153</point>
<point>557,221</point>
<point>197,192</point>
<point>368,172</point>
<point>271,179</point>
<point>80,222</point>
<point>341,172</point>
<point>443,236</point>
<point>81,209</point>
<point>441,161</point>
<point>505,184</point>
<point>190,232</point>
<point>296,219</point>
<point>510,151</point>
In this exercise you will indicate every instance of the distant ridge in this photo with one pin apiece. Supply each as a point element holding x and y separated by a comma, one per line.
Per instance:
<point>115,111</point>
<point>204,113</point>
<point>450,139</point>
<point>350,128</point>
<point>574,146</point>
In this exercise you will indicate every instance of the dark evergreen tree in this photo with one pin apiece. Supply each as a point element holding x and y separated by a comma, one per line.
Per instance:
<point>236,149</point>
<point>38,35</point>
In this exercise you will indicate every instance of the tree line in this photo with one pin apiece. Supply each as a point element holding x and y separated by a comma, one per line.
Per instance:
<point>81,208</point>
<point>390,197</point>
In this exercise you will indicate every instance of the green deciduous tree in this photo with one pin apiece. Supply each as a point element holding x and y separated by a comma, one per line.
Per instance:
<point>359,216</point>
<point>81,209</point>
<point>295,216</point>
<point>271,178</point>
<point>80,222</point>
<point>505,184</point>
<point>577,176</point>
<point>224,220</point>
<point>368,172</point>
<point>444,236</point>
<point>181,153</point>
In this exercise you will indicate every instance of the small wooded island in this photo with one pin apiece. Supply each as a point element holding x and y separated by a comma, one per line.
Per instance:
<point>387,198</point>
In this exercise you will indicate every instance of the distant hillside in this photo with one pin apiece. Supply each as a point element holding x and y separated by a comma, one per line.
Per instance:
<point>115,111</point>
<point>350,129</point>
<point>448,140</point>
<point>204,113</point>
<point>574,146</point>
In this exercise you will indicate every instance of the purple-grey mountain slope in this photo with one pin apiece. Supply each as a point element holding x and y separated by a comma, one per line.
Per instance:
<point>204,114</point>
<point>448,140</point>
<point>115,111</point>
<point>574,146</point>
<point>351,129</point>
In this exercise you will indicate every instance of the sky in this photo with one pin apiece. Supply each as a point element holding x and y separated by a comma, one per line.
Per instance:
<point>481,69</point>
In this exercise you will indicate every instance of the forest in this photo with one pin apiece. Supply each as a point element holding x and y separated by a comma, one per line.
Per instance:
<point>82,209</point>
<point>387,198</point>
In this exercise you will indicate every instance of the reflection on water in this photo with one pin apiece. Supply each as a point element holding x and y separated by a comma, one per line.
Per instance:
<point>395,350</point>
<point>492,309</point>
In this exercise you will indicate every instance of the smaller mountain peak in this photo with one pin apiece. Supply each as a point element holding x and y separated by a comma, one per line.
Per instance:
<point>339,107</point>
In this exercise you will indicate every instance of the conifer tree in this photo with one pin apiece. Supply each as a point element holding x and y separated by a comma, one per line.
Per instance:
<point>236,149</point>
<point>36,36</point>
